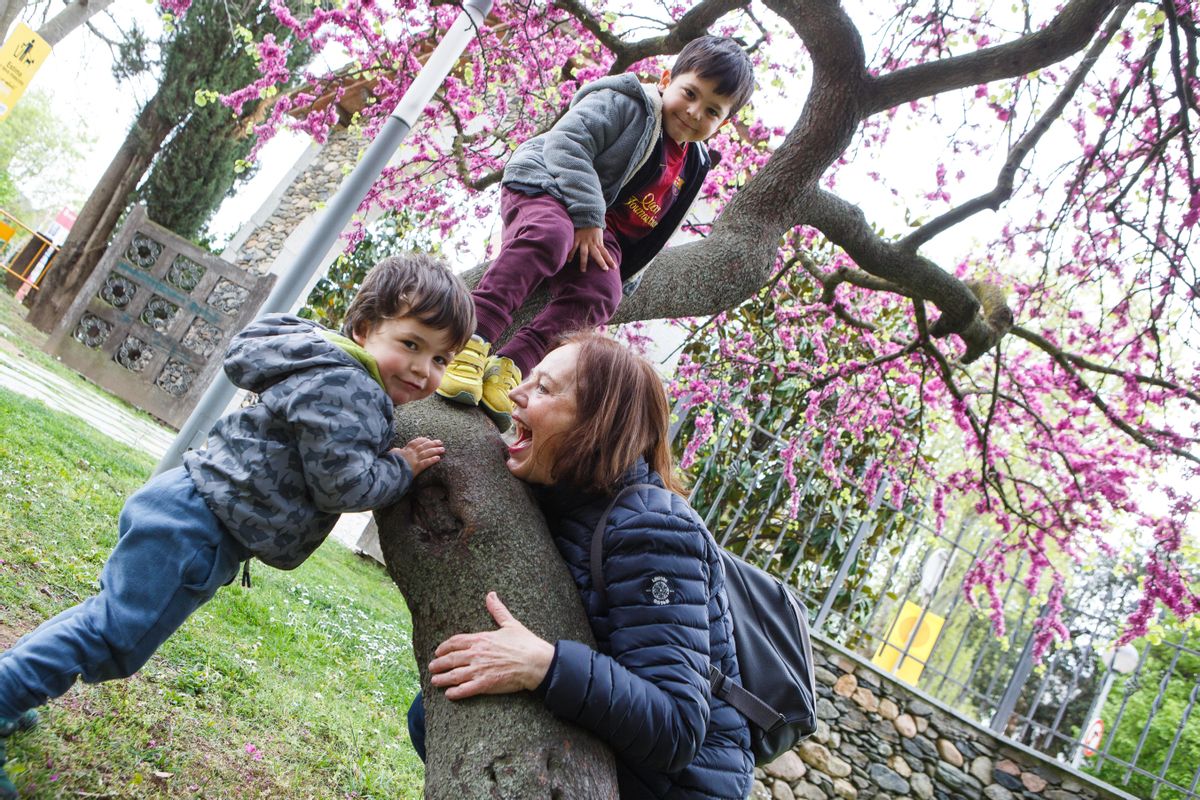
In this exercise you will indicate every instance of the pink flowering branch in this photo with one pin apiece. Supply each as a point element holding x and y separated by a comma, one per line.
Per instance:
<point>1003,189</point>
<point>176,8</point>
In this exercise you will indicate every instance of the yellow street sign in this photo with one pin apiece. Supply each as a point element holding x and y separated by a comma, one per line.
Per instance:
<point>20,58</point>
<point>913,635</point>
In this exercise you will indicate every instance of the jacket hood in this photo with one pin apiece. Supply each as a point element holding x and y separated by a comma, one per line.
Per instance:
<point>627,84</point>
<point>278,346</point>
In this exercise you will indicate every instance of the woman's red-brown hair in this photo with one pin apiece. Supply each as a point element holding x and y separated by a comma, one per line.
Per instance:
<point>622,412</point>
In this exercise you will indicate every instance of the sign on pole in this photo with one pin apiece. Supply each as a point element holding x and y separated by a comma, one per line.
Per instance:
<point>23,53</point>
<point>910,642</point>
<point>1094,736</point>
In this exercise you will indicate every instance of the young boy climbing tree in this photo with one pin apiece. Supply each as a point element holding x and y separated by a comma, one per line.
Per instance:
<point>270,484</point>
<point>587,205</point>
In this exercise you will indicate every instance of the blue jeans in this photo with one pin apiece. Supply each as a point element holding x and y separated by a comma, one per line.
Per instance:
<point>416,725</point>
<point>171,557</point>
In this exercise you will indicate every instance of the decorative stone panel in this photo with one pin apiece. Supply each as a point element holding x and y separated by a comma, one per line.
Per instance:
<point>878,739</point>
<point>152,322</point>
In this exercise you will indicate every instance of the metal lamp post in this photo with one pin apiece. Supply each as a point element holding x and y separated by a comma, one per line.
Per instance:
<point>1123,660</point>
<point>339,211</point>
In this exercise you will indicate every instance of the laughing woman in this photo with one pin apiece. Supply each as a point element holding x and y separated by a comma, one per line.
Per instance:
<point>591,419</point>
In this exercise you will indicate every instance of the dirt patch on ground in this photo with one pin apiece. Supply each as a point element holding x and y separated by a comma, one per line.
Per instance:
<point>9,634</point>
<point>10,349</point>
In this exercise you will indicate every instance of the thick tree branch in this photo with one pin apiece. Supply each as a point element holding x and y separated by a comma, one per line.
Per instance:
<point>75,13</point>
<point>693,24</point>
<point>845,225</point>
<point>1067,33</point>
<point>9,11</point>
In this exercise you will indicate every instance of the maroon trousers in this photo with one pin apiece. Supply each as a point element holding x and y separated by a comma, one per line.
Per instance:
<point>534,244</point>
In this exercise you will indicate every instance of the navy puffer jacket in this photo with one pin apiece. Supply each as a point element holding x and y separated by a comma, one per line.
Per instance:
<point>644,690</point>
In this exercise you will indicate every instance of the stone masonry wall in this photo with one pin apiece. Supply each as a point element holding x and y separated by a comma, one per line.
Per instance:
<point>307,193</point>
<point>878,739</point>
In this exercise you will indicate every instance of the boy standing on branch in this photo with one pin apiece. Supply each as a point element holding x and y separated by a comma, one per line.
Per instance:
<point>586,205</point>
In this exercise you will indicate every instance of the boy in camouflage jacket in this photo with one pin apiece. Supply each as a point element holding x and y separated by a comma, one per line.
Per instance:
<point>270,483</point>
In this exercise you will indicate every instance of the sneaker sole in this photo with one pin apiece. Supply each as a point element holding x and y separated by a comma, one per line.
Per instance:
<point>502,420</point>
<point>462,398</point>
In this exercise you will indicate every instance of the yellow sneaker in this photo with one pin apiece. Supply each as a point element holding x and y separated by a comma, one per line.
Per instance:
<point>463,379</point>
<point>500,377</point>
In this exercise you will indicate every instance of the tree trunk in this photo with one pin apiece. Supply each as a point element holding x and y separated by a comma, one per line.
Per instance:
<point>467,528</point>
<point>89,236</point>
<point>71,17</point>
<point>9,11</point>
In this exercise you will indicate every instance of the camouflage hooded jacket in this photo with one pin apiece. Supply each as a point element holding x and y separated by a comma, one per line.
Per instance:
<point>278,473</point>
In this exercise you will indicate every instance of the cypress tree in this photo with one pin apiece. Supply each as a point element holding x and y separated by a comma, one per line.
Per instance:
<point>206,51</point>
<point>197,166</point>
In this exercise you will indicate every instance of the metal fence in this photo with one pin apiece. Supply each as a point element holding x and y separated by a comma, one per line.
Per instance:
<point>878,579</point>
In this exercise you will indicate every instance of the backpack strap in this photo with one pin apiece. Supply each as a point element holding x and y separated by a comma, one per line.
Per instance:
<point>597,551</point>
<point>748,704</point>
<point>731,692</point>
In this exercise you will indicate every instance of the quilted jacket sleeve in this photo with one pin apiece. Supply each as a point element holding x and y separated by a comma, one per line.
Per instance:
<point>344,447</point>
<point>649,698</point>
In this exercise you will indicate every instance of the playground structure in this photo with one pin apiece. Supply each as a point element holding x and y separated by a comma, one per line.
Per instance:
<point>27,255</point>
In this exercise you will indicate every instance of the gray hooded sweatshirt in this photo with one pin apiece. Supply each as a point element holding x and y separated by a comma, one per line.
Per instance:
<point>278,473</point>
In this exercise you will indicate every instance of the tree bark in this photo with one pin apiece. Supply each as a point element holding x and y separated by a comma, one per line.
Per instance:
<point>9,11</point>
<point>71,17</point>
<point>468,527</point>
<point>89,236</point>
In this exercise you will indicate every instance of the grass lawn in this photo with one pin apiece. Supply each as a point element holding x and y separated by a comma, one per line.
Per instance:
<point>294,688</point>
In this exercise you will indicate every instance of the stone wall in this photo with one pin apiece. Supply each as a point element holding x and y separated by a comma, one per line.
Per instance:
<point>257,246</point>
<point>878,739</point>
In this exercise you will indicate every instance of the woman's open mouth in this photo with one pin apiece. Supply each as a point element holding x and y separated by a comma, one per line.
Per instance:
<point>521,437</point>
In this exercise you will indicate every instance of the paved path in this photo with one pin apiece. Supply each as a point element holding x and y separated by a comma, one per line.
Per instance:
<point>114,419</point>
<point>111,418</point>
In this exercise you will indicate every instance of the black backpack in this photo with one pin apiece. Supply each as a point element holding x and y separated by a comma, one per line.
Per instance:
<point>770,633</point>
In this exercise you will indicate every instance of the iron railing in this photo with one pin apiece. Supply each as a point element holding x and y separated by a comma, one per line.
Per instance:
<point>879,579</point>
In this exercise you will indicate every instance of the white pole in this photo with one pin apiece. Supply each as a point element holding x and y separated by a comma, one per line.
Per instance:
<point>1123,660</point>
<point>1095,711</point>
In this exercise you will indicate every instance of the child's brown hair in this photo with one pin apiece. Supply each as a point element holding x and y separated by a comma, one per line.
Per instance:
<point>413,285</point>
<point>719,59</point>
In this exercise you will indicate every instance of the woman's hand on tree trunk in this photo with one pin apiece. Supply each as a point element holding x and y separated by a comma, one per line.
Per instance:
<point>508,659</point>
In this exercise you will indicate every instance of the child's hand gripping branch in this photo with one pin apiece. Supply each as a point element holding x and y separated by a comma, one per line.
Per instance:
<point>421,453</point>
<point>589,244</point>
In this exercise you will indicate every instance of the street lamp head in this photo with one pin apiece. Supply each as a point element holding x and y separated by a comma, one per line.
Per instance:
<point>1123,660</point>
